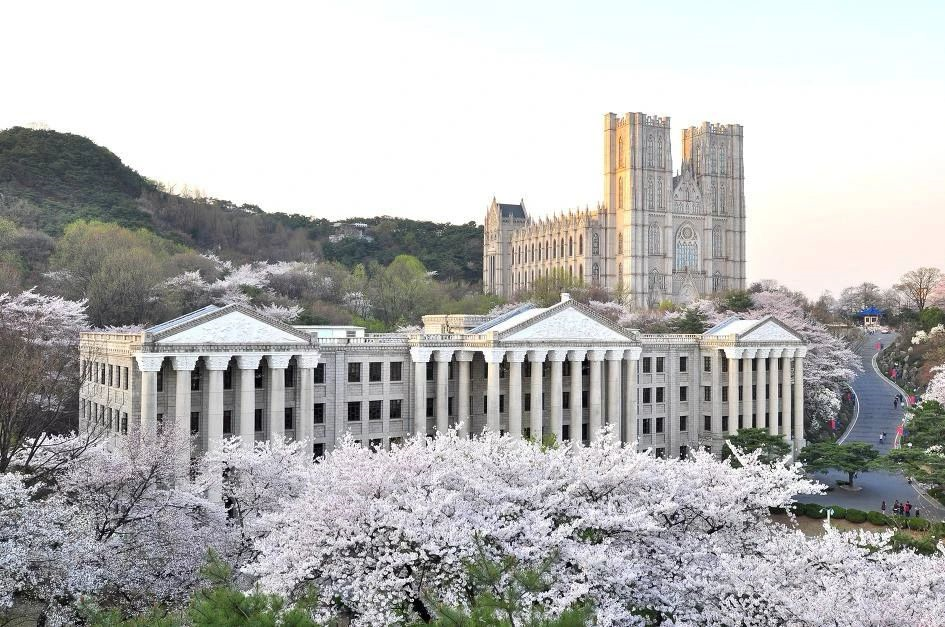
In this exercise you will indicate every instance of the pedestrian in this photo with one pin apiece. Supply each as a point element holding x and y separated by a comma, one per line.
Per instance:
<point>906,508</point>
<point>895,509</point>
<point>881,436</point>
<point>917,512</point>
<point>895,403</point>
<point>882,507</point>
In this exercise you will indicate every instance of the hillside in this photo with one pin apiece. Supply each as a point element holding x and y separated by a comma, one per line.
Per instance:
<point>50,179</point>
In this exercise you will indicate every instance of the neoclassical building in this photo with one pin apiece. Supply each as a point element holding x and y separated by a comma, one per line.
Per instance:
<point>561,371</point>
<point>658,234</point>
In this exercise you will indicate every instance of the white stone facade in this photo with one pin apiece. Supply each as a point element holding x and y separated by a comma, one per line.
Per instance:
<point>655,236</point>
<point>561,371</point>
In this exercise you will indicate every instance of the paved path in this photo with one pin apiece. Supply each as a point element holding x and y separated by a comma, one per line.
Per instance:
<point>875,414</point>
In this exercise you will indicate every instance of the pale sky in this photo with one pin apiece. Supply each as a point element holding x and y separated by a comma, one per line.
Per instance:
<point>427,109</point>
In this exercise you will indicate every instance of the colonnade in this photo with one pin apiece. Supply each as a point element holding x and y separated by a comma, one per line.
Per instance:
<point>757,411</point>
<point>606,403</point>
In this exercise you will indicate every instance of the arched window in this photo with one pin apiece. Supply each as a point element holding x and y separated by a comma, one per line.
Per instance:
<point>533,253</point>
<point>717,242</point>
<point>656,280</point>
<point>620,274</point>
<point>620,152</point>
<point>653,239</point>
<point>546,251</point>
<point>649,151</point>
<point>722,197</point>
<point>721,160</point>
<point>649,194</point>
<point>580,244</point>
<point>659,193</point>
<point>620,193</point>
<point>570,270</point>
<point>562,247</point>
<point>718,282</point>
<point>554,249</point>
<point>620,243</point>
<point>581,272</point>
<point>659,152</point>
<point>595,274</point>
<point>687,248</point>
<point>570,247</point>
<point>595,244</point>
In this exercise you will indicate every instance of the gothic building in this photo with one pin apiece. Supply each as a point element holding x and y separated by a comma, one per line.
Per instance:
<point>655,236</point>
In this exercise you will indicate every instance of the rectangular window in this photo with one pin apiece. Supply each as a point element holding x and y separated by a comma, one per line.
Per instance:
<point>659,424</point>
<point>118,384</point>
<point>376,444</point>
<point>741,365</point>
<point>724,365</point>
<point>741,390</point>
<point>485,404</point>
<point>683,393</point>
<point>501,403</point>
<point>684,423</point>
<point>449,406</point>
<point>527,369</point>
<point>660,364</point>
<point>707,393</point>
<point>647,429</point>
<point>289,418</point>
<point>257,420</point>
<point>647,395</point>
<point>707,364</point>
<point>374,410</point>
<point>125,378</point>
<point>660,393</point>
<point>584,432</point>
<point>227,421</point>
<point>724,423</point>
<point>319,374</point>
<point>683,451</point>
<point>195,380</point>
<point>160,381</point>
<point>584,398</point>
<point>566,368</point>
<point>354,372</point>
<point>431,407</point>
<point>724,393</point>
<point>431,371</point>
<point>647,364</point>
<point>228,379</point>
<point>566,400</point>
<point>195,422</point>
<point>111,375</point>
<point>354,411</point>
<point>374,371</point>
<point>289,377</point>
<point>318,451</point>
<point>741,423</point>
<point>124,422</point>
<point>585,368</point>
<point>160,422</point>
<point>449,371</point>
<point>707,423</point>
<point>319,414</point>
<point>660,452</point>
<point>396,371</point>
<point>258,379</point>
<point>565,432</point>
<point>683,363</point>
<point>527,403</point>
<point>395,406</point>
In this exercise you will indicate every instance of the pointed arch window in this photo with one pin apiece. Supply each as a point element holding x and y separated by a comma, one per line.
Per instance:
<point>580,244</point>
<point>620,243</point>
<point>595,244</point>
<point>656,279</point>
<point>554,249</point>
<point>620,193</point>
<point>649,151</point>
<point>717,242</point>
<point>570,247</point>
<point>659,153</point>
<point>653,239</point>
<point>722,168</point>
<point>595,274</point>
<point>659,193</point>
<point>718,282</point>
<point>620,152</point>
<point>649,194</point>
<point>687,248</point>
<point>620,274</point>
<point>546,251</point>
<point>722,197</point>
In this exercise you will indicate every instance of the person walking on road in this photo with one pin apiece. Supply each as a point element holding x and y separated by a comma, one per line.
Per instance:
<point>895,402</point>
<point>882,436</point>
<point>906,508</point>
<point>882,507</point>
<point>896,507</point>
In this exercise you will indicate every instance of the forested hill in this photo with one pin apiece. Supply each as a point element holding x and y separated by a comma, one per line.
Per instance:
<point>49,179</point>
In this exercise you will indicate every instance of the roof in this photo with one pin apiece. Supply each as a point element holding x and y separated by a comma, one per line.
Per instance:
<point>731,326</point>
<point>170,324</point>
<point>491,324</point>
<point>870,311</point>
<point>511,211</point>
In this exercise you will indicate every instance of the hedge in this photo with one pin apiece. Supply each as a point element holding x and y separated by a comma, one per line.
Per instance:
<point>878,518</point>
<point>856,515</point>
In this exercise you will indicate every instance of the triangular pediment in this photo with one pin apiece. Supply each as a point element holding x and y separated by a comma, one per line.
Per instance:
<point>567,322</point>
<point>233,324</point>
<point>769,330</point>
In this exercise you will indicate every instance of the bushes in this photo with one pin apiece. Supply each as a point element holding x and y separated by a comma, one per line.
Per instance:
<point>878,518</point>
<point>856,516</point>
<point>838,512</point>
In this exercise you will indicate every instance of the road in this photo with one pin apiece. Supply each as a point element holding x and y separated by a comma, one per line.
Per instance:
<point>875,415</point>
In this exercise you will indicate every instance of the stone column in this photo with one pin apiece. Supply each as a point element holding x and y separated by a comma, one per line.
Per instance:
<point>183,366</point>
<point>556,419</point>
<point>494,358</point>
<point>733,355</point>
<point>537,359</point>
<point>747,397</point>
<point>247,363</point>
<point>595,393</point>
<point>799,441</point>
<point>149,365</point>
<point>463,358</point>
<point>761,402</point>
<point>215,364</point>
<point>715,363</point>
<point>632,357</point>
<point>786,415</point>
<point>305,407</point>
<point>576,358</point>
<point>773,392</point>
<point>443,358</point>
<point>515,391</point>
<point>614,363</point>
<point>420,357</point>
<point>277,365</point>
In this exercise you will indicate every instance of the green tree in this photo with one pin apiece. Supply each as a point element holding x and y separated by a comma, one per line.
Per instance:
<point>773,447</point>
<point>737,300</point>
<point>851,458</point>
<point>930,317</point>
<point>402,292</point>
<point>692,321</point>
<point>546,291</point>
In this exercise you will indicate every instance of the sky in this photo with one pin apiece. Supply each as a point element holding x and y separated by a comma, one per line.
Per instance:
<point>427,109</point>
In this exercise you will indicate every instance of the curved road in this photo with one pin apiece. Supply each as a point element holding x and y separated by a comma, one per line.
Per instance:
<point>875,415</point>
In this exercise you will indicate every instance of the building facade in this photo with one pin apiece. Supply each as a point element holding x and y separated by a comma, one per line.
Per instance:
<point>658,234</point>
<point>561,371</point>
